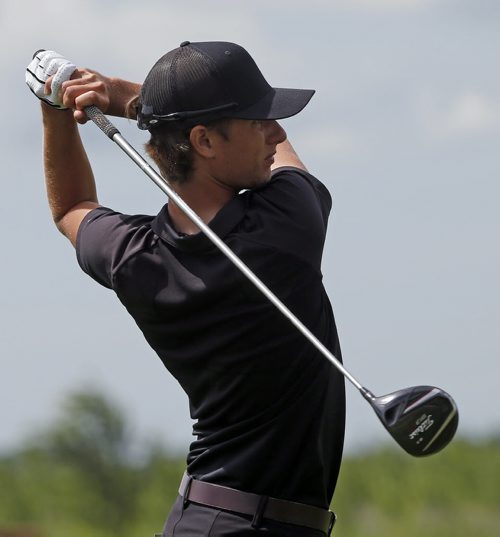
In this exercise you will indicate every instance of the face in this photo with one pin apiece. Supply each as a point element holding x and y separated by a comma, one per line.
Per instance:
<point>243,158</point>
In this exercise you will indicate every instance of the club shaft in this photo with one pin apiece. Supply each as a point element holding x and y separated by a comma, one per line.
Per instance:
<point>115,135</point>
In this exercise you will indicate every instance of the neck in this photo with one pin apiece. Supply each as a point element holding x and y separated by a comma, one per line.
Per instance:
<point>205,195</point>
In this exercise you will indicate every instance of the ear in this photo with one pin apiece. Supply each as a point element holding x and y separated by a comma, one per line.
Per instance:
<point>202,141</point>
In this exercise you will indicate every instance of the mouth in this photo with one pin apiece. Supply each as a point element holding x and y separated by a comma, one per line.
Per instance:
<point>270,158</point>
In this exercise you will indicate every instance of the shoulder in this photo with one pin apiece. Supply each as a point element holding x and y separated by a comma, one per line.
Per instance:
<point>300,178</point>
<point>112,227</point>
<point>289,215</point>
<point>106,239</point>
<point>293,190</point>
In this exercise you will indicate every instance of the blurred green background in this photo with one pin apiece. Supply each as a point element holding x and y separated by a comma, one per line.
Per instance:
<point>86,475</point>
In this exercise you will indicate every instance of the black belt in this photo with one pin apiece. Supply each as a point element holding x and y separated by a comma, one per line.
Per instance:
<point>257,506</point>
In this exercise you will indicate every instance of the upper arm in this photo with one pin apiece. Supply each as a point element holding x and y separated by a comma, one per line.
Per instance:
<point>107,239</point>
<point>69,224</point>
<point>297,206</point>
<point>287,157</point>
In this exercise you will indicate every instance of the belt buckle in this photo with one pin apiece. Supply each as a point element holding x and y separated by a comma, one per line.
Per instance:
<point>333,519</point>
<point>187,490</point>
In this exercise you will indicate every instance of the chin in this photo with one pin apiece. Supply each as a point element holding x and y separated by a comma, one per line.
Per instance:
<point>255,182</point>
<point>263,181</point>
<point>266,176</point>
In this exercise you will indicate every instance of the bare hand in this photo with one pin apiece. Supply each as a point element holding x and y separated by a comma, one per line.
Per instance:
<point>85,88</point>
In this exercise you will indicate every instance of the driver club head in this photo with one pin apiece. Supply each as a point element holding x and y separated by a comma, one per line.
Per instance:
<point>422,419</point>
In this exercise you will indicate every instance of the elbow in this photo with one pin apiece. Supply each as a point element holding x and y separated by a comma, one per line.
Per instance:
<point>61,223</point>
<point>68,222</point>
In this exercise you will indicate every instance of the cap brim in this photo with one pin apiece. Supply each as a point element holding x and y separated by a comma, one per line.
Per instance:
<point>279,103</point>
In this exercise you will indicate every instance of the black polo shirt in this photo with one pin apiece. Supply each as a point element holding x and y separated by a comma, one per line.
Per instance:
<point>268,408</point>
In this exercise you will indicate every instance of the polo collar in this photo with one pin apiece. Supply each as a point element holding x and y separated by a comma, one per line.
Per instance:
<point>222,224</point>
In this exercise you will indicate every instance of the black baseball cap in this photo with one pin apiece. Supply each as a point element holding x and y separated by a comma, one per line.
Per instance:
<point>199,82</point>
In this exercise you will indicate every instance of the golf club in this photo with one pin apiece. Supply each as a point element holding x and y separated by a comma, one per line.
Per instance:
<point>422,419</point>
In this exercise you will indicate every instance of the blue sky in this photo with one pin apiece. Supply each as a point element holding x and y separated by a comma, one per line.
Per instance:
<point>404,131</point>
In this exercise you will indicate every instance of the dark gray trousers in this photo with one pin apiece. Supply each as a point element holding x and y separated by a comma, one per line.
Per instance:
<point>194,520</point>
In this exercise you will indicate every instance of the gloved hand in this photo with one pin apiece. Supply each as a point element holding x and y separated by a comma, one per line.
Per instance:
<point>47,63</point>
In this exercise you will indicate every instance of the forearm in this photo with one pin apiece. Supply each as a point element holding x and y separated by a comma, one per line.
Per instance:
<point>286,156</point>
<point>69,179</point>
<point>113,96</point>
<point>68,176</point>
<point>124,97</point>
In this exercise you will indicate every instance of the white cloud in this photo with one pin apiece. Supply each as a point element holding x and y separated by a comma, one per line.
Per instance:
<point>465,114</point>
<point>472,112</point>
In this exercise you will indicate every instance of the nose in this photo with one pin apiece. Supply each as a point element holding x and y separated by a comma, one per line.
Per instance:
<point>275,132</point>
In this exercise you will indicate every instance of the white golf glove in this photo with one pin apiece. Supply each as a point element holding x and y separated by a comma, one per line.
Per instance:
<point>47,63</point>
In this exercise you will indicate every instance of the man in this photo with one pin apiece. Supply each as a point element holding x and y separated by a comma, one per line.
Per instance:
<point>268,408</point>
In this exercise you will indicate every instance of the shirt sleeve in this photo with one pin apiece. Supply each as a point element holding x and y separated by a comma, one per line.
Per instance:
<point>300,191</point>
<point>295,207</point>
<point>105,240</point>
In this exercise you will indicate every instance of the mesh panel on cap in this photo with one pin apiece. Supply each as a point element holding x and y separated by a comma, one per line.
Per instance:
<point>157,88</point>
<point>184,79</point>
<point>198,81</point>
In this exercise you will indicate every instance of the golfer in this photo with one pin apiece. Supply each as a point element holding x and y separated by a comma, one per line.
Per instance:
<point>268,409</point>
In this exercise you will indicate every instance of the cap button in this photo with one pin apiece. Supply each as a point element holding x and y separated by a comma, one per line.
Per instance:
<point>184,43</point>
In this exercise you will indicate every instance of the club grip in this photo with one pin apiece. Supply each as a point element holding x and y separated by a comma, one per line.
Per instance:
<point>101,121</point>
